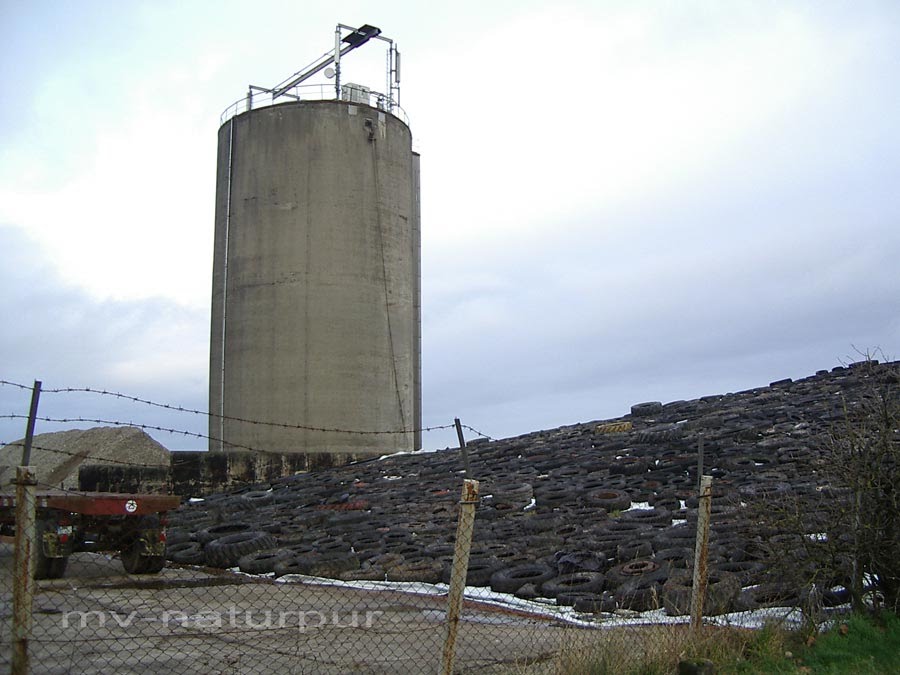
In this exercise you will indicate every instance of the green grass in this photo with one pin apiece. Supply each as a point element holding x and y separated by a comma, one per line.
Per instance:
<point>862,646</point>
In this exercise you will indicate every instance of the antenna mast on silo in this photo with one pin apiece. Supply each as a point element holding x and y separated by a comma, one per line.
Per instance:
<point>346,39</point>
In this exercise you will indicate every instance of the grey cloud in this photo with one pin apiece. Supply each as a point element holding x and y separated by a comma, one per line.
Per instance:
<point>56,334</point>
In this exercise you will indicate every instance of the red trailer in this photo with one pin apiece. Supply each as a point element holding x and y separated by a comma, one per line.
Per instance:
<point>66,522</point>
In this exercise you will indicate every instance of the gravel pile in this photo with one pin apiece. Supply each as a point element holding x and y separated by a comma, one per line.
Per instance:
<point>57,456</point>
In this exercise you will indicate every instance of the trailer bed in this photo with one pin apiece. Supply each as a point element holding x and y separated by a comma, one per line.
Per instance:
<point>98,503</point>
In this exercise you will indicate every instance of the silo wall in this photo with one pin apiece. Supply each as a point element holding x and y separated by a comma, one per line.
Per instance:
<point>315,331</point>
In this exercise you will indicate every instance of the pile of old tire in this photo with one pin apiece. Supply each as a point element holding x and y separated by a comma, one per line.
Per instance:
<point>637,585</point>
<point>221,545</point>
<point>721,590</point>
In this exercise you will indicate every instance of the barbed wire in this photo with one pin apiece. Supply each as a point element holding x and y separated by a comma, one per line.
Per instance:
<point>475,431</point>
<point>152,427</point>
<point>144,427</point>
<point>193,434</point>
<point>17,385</point>
<point>206,413</point>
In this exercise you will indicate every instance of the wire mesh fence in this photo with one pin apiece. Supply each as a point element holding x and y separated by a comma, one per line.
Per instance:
<point>581,556</point>
<point>271,581</point>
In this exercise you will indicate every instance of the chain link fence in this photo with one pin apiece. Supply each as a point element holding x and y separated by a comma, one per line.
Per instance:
<point>576,547</point>
<point>351,570</point>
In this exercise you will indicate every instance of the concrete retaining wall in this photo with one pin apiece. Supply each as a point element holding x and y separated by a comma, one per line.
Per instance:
<point>195,474</point>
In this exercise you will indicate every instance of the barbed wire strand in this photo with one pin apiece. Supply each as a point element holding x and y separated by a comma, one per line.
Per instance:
<point>298,427</point>
<point>193,411</point>
<point>182,432</point>
<point>475,431</point>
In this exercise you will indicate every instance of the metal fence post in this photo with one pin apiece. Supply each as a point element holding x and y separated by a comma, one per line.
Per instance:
<point>460,567</point>
<point>698,587</point>
<point>23,569</point>
<point>700,464</point>
<point>462,445</point>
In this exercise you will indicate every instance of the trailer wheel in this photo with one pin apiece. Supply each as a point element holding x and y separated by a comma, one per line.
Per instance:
<point>154,564</point>
<point>49,568</point>
<point>46,567</point>
<point>135,563</point>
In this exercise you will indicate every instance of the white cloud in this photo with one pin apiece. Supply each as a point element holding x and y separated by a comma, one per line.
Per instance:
<point>620,201</point>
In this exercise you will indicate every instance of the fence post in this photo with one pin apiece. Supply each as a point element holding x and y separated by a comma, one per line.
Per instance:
<point>462,446</point>
<point>23,568</point>
<point>698,587</point>
<point>29,427</point>
<point>460,567</point>
<point>700,464</point>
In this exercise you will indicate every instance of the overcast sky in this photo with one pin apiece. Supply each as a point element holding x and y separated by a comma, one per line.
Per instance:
<point>621,201</point>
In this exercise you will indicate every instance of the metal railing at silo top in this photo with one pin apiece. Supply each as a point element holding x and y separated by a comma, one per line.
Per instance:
<point>261,97</point>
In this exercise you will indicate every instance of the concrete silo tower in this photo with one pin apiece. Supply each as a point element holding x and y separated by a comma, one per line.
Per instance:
<point>315,336</point>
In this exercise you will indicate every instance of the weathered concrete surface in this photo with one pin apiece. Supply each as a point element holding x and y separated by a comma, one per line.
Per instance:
<point>58,456</point>
<point>196,474</point>
<point>99,620</point>
<point>315,307</point>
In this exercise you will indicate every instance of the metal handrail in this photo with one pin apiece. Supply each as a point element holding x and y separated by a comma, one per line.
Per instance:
<point>261,97</point>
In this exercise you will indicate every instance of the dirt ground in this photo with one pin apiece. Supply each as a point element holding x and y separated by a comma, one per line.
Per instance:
<point>188,620</point>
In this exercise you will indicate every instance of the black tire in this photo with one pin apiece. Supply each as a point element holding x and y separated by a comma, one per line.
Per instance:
<point>135,563</point>
<point>569,599</point>
<point>49,568</point>
<point>178,535</point>
<point>186,553</point>
<point>510,579</point>
<point>569,562</point>
<point>675,558</point>
<point>655,516</point>
<point>748,572</point>
<point>661,433</point>
<point>154,564</point>
<point>257,498</point>
<point>263,561</point>
<point>554,495</point>
<point>628,573</point>
<point>611,500</point>
<point>646,409</point>
<point>514,494</point>
<point>594,604</point>
<point>478,573</point>
<point>774,594</point>
<point>225,551</point>
<point>541,522</point>
<point>318,565</point>
<point>425,570</point>
<point>288,566</point>
<point>216,531</point>
<point>633,550</point>
<point>628,466</point>
<point>721,590</point>
<point>580,582</point>
<point>46,567</point>
<point>642,594</point>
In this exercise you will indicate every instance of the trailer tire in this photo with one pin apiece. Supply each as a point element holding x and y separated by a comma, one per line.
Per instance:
<point>135,563</point>
<point>46,567</point>
<point>49,568</point>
